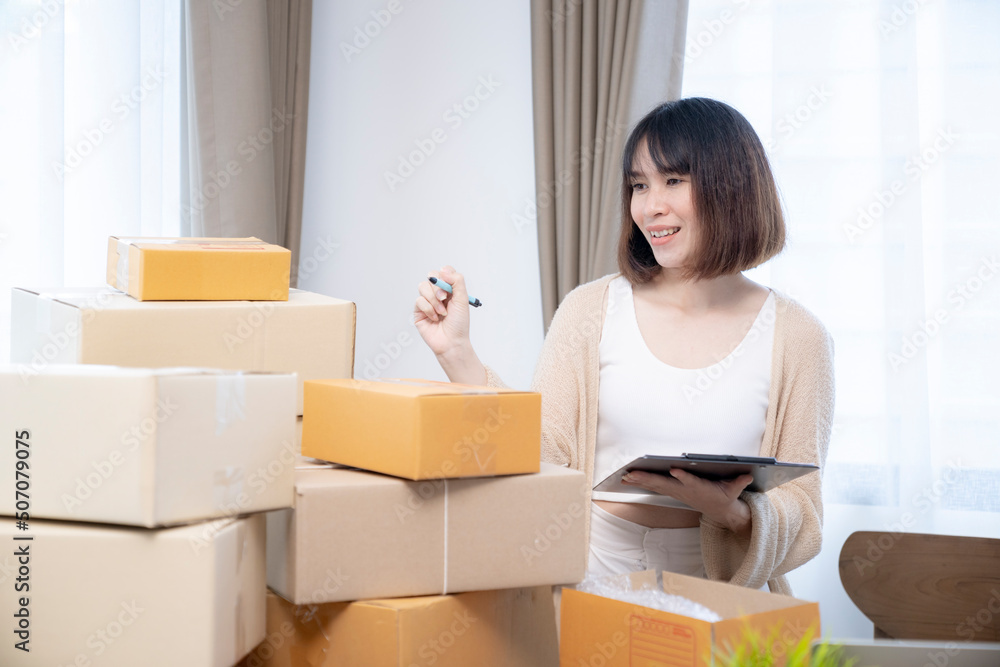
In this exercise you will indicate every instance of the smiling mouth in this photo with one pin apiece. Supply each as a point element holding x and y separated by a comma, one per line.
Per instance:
<point>665,232</point>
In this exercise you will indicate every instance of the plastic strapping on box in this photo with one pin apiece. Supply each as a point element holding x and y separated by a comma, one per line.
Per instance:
<point>230,400</point>
<point>121,271</point>
<point>444,586</point>
<point>314,656</point>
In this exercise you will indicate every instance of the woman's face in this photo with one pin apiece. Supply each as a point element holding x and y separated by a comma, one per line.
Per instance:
<point>663,210</point>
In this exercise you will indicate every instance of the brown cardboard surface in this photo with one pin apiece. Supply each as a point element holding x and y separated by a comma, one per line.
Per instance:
<point>356,535</point>
<point>310,334</point>
<point>148,447</point>
<point>120,597</point>
<point>199,269</point>
<point>617,633</point>
<point>420,429</point>
<point>500,628</point>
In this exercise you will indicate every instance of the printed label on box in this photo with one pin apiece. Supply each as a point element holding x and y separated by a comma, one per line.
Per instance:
<point>655,643</point>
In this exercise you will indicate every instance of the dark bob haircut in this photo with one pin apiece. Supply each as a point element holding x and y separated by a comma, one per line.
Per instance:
<point>732,188</point>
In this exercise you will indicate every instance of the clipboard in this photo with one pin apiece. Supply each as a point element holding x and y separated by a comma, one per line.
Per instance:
<point>768,473</point>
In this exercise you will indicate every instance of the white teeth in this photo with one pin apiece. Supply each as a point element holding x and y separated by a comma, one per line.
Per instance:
<point>665,232</point>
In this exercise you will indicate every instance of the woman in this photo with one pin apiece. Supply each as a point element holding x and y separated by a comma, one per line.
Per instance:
<point>680,353</point>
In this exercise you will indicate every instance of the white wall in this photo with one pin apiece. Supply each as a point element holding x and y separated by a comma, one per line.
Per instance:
<point>374,99</point>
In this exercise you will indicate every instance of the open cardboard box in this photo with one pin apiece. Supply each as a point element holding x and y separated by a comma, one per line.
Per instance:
<point>599,630</point>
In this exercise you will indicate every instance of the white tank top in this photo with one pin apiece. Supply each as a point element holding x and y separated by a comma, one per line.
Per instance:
<point>649,407</point>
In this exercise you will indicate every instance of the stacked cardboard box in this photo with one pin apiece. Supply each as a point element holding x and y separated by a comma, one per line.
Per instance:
<point>310,335</point>
<point>138,534</point>
<point>453,503</point>
<point>499,628</point>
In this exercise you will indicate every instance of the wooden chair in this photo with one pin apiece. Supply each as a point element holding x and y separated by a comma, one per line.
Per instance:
<point>914,586</point>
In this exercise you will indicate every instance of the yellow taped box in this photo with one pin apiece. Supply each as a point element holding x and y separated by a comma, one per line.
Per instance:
<point>504,628</point>
<point>105,596</point>
<point>310,334</point>
<point>357,535</point>
<point>599,630</point>
<point>419,429</point>
<point>148,447</point>
<point>199,269</point>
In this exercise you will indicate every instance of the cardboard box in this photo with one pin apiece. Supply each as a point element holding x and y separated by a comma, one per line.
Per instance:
<point>616,633</point>
<point>357,535</point>
<point>105,596</point>
<point>199,269</point>
<point>310,334</point>
<point>506,628</point>
<point>419,429</point>
<point>147,447</point>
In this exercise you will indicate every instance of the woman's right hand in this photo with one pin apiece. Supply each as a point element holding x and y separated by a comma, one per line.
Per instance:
<point>442,320</point>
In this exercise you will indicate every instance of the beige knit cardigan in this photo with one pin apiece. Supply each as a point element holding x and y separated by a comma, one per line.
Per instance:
<point>787,522</point>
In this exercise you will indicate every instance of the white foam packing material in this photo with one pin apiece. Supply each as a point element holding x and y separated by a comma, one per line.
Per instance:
<point>647,597</point>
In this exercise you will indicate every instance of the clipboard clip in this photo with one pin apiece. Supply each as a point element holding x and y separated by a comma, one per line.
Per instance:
<point>730,458</point>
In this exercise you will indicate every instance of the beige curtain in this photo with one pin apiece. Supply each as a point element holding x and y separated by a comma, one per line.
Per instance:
<point>598,66</point>
<point>246,102</point>
<point>228,121</point>
<point>289,38</point>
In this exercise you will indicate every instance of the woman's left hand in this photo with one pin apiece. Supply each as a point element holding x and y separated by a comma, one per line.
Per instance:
<point>716,500</point>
